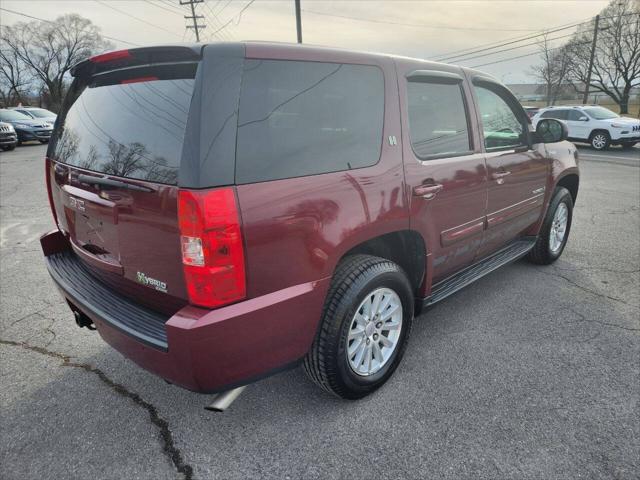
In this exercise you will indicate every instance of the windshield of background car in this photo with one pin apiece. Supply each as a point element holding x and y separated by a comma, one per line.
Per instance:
<point>12,116</point>
<point>131,126</point>
<point>600,113</point>
<point>41,113</point>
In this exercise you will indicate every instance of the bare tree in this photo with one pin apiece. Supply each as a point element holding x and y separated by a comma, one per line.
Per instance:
<point>15,77</point>
<point>616,64</point>
<point>553,69</point>
<point>50,49</point>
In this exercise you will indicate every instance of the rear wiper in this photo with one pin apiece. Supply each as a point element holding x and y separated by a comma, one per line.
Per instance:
<point>107,183</point>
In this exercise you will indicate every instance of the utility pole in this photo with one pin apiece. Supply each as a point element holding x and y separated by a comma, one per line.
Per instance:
<point>585,95</point>
<point>298,21</point>
<point>193,17</point>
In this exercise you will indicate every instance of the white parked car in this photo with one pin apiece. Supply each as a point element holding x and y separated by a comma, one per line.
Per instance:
<point>595,125</point>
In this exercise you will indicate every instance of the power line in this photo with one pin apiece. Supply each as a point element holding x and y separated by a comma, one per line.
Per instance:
<point>224,6</point>
<point>135,18</point>
<point>50,21</point>
<point>512,48</point>
<point>214,19</point>
<point>162,7</point>
<point>493,45</point>
<point>417,25</point>
<point>528,55</point>
<point>509,43</point>
<point>496,44</point>
<point>520,46</point>
<point>239,15</point>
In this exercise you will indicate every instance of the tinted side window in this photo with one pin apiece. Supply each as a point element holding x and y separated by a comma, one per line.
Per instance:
<point>305,118</point>
<point>557,114</point>
<point>437,119</point>
<point>575,115</point>
<point>502,127</point>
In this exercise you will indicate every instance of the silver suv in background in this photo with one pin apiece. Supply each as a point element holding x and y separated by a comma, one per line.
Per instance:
<point>37,113</point>
<point>26,127</point>
<point>8,137</point>
<point>595,125</point>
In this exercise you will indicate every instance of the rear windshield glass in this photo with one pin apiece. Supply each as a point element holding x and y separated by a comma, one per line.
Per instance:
<point>130,126</point>
<point>305,118</point>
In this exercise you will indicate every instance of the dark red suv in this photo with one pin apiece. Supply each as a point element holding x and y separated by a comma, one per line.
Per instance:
<point>226,211</point>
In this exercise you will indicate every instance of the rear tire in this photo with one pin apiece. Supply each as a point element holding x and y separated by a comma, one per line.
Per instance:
<point>600,140</point>
<point>550,245</point>
<point>333,361</point>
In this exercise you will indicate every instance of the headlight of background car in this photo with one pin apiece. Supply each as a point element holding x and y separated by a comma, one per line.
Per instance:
<point>617,125</point>
<point>21,125</point>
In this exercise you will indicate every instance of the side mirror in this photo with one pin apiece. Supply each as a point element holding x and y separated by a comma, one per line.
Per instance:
<point>550,130</point>
<point>583,118</point>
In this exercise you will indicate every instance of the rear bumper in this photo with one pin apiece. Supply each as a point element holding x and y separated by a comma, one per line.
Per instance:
<point>201,350</point>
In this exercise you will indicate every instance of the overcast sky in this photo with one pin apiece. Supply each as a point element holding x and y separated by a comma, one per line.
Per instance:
<point>436,27</point>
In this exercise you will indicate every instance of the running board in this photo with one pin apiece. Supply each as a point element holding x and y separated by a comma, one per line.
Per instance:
<point>511,253</point>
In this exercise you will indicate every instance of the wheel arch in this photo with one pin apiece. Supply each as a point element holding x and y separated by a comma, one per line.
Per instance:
<point>570,181</point>
<point>598,130</point>
<point>407,248</point>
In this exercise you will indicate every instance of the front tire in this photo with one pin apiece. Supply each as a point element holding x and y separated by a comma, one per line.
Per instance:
<point>600,140</point>
<point>8,148</point>
<point>365,325</point>
<point>555,229</point>
<point>628,146</point>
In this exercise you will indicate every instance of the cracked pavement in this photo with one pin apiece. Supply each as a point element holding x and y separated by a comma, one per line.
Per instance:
<point>532,372</point>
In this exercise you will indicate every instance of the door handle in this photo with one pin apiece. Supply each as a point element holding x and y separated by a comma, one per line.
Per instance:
<point>497,175</point>
<point>427,191</point>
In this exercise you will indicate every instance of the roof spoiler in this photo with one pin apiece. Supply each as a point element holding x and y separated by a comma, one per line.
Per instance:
<point>135,57</point>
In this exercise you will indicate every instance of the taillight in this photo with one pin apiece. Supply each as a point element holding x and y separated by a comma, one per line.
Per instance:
<point>48,166</point>
<point>211,245</point>
<point>110,56</point>
<point>138,80</point>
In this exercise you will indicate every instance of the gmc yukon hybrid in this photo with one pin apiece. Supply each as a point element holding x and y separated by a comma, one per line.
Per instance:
<point>226,211</point>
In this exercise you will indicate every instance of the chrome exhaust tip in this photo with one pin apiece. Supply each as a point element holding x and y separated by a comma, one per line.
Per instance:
<point>223,400</point>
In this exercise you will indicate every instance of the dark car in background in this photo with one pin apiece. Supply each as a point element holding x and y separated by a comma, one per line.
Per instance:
<point>27,128</point>
<point>37,113</point>
<point>8,137</point>
<point>227,211</point>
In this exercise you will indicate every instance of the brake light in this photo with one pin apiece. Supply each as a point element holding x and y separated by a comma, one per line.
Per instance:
<point>48,168</point>
<point>139,79</point>
<point>211,245</point>
<point>110,56</point>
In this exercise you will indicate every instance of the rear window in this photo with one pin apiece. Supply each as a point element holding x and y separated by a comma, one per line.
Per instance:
<point>305,118</point>
<point>128,124</point>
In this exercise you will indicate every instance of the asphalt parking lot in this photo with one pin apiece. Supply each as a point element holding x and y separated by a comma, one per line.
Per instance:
<point>532,372</point>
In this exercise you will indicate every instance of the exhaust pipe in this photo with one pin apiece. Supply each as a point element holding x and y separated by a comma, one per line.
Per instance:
<point>83,321</point>
<point>223,400</point>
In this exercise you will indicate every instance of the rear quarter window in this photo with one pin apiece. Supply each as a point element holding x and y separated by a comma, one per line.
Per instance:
<point>301,118</point>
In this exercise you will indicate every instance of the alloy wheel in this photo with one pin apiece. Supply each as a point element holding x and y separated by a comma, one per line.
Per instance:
<point>374,332</point>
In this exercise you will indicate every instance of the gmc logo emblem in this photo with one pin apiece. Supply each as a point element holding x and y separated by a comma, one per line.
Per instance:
<point>76,203</point>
